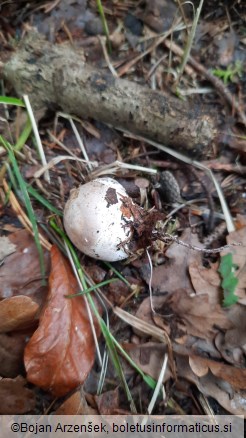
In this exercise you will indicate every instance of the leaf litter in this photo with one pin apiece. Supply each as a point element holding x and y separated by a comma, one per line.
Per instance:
<point>190,316</point>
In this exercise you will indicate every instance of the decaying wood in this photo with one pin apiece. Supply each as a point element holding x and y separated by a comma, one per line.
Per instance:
<point>55,76</point>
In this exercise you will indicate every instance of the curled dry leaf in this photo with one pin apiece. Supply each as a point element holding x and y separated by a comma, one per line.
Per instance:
<point>17,313</point>
<point>14,397</point>
<point>61,352</point>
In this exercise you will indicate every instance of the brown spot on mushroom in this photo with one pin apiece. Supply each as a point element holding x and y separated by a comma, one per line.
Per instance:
<point>111,197</point>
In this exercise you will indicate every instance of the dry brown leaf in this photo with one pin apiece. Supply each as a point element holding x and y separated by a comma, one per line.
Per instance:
<point>6,247</point>
<point>206,281</point>
<point>76,404</point>
<point>20,273</point>
<point>194,315</point>
<point>149,357</point>
<point>200,316</point>
<point>17,313</point>
<point>236,337</point>
<point>108,402</point>
<point>11,354</point>
<point>61,352</point>
<point>211,386</point>
<point>14,397</point>
<point>173,275</point>
<point>236,377</point>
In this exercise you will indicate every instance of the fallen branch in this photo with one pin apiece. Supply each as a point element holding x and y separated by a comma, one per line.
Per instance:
<point>54,76</point>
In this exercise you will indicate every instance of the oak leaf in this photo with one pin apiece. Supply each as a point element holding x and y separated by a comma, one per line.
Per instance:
<point>61,352</point>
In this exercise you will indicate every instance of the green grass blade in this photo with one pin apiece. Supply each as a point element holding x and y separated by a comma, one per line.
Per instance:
<point>104,24</point>
<point>18,146</point>
<point>11,101</point>
<point>23,137</point>
<point>92,288</point>
<point>43,201</point>
<point>112,268</point>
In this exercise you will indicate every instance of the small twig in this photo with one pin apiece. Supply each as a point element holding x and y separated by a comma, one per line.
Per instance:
<point>168,238</point>
<point>176,27</point>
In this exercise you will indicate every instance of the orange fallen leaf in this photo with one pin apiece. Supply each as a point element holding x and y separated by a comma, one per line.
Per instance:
<point>61,352</point>
<point>17,313</point>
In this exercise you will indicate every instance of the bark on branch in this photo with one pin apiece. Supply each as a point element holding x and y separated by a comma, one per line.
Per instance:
<point>54,76</point>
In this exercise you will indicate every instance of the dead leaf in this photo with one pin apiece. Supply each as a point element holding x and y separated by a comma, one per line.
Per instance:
<point>20,273</point>
<point>76,404</point>
<point>6,247</point>
<point>17,313</point>
<point>200,316</point>
<point>108,402</point>
<point>178,259</point>
<point>149,357</point>
<point>236,377</point>
<point>11,354</point>
<point>211,386</point>
<point>61,352</point>
<point>231,354</point>
<point>14,397</point>
<point>206,281</point>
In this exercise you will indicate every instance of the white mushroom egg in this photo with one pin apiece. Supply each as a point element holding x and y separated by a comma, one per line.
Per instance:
<point>95,219</point>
